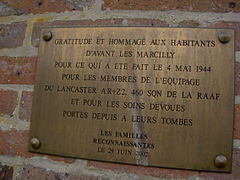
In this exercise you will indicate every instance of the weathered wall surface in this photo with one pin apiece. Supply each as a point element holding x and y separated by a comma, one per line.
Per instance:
<point>20,24</point>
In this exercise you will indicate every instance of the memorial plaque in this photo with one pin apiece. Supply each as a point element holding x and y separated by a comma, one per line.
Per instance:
<point>137,95</point>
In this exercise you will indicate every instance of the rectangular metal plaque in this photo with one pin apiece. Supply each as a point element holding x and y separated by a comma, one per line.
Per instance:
<point>137,95</point>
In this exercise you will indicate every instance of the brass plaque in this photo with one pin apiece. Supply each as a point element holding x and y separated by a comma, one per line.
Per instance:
<point>136,95</point>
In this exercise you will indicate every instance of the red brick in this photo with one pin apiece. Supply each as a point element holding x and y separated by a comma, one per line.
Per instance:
<point>6,172</point>
<point>8,101</point>
<point>25,106</point>
<point>34,173</point>
<point>232,25</point>
<point>237,78</point>
<point>237,122</point>
<point>12,35</point>
<point>173,173</point>
<point>187,5</point>
<point>89,23</point>
<point>17,70</point>
<point>7,10</point>
<point>15,143</point>
<point>41,6</point>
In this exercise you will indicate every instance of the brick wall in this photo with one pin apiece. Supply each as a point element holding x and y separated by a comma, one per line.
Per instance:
<point>20,24</point>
